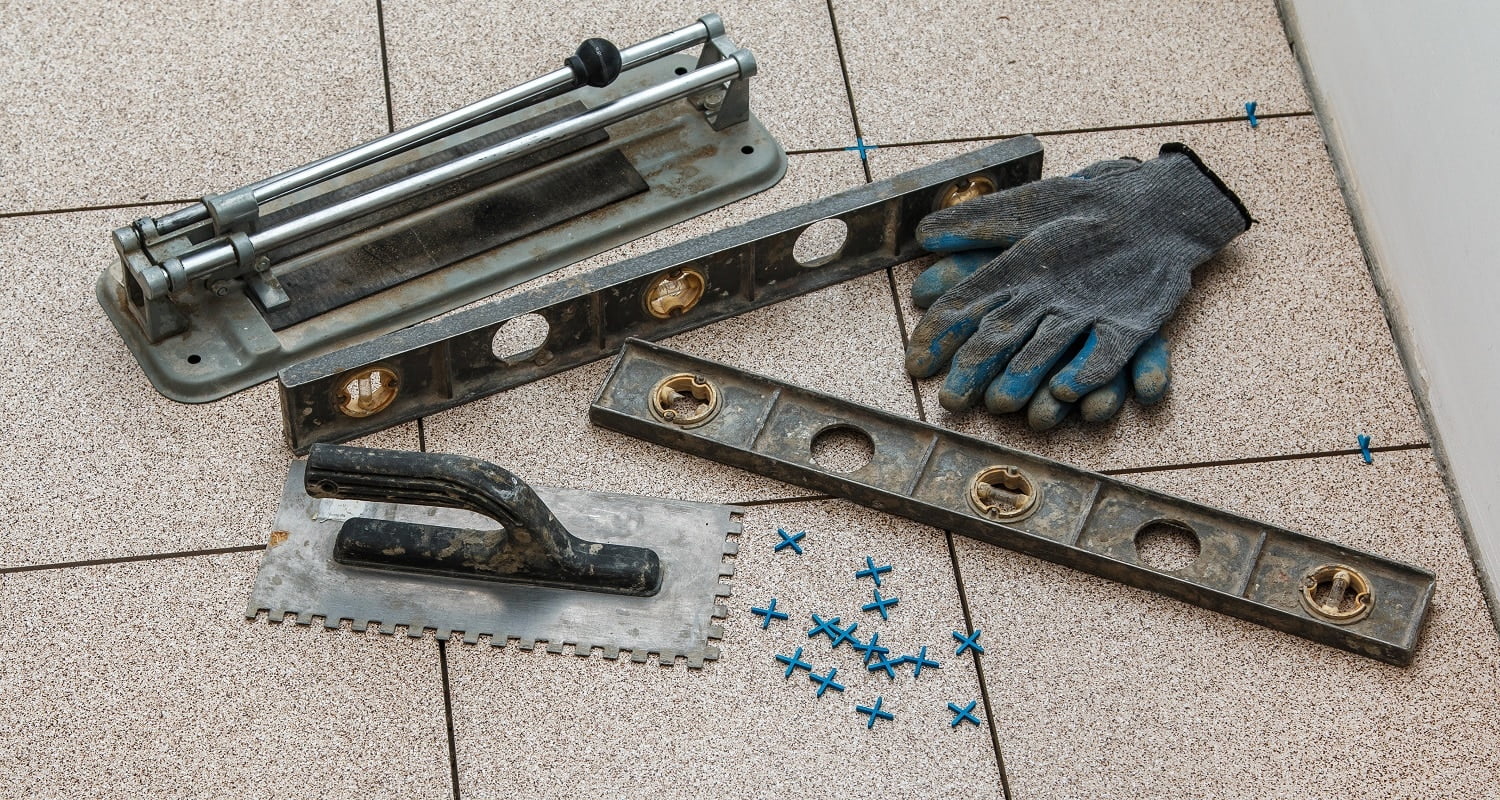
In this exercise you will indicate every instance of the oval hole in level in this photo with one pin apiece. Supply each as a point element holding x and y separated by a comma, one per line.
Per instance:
<point>1166,545</point>
<point>820,242</point>
<point>842,448</point>
<point>519,339</point>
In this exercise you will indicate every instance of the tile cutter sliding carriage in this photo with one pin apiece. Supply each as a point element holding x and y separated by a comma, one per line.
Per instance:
<point>220,295</point>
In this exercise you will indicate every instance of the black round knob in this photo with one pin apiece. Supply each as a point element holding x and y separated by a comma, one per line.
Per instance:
<point>597,63</point>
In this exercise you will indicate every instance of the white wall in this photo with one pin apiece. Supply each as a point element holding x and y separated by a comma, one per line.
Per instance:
<point>1409,97</point>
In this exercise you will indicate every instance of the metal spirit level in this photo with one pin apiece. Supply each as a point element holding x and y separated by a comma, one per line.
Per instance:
<point>219,295</point>
<point>1258,572</point>
<point>451,361</point>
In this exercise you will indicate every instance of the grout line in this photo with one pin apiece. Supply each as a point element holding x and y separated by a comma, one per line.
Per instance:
<point>838,45</point>
<point>448,713</point>
<point>1062,132</point>
<point>104,207</point>
<point>95,562</point>
<point>385,67</point>
<point>984,689</point>
<point>421,434</point>
<point>1230,462</point>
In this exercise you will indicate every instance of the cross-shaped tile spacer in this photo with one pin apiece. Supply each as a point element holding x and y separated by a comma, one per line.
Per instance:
<point>873,649</point>
<point>874,712</point>
<point>921,660</point>
<point>826,627</point>
<point>826,682</point>
<point>859,144</point>
<point>789,540</point>
<point>769,612</point>
<point>845,635</point>
<point>871,571</point>
<point>965,714</point>
<point>880,604</point>
<point>885,663</point>
<point>970,642</point>
<point>793,662</point>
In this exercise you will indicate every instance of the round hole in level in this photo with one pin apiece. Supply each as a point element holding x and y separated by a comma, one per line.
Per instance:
<point>820,242</point>
<point>194,358</point>
<point>842,448</point>
<point>1166,545</point>
<point>680,70</point>
<point>519,339</point>
<point>747,149</point>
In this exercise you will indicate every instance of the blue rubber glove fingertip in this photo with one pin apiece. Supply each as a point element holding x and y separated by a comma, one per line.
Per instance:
<point>1151,372</point>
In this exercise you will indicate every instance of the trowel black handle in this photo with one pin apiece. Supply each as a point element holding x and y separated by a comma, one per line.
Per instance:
<point>536,547</point>
<point>596,63</point>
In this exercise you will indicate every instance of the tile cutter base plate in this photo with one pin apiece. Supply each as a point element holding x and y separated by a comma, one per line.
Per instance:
<point>299,576</point>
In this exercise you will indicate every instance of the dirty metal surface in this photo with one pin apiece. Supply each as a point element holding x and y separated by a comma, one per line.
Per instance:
<point>1275,577</point>
<point>298,575</point>
<point>451,361</point>
<point>687,166</point>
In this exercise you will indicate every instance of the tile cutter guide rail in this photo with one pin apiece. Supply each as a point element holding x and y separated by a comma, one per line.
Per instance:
<point>429,541</point>
<point>220,295</point>
<point>1258,572</point>
<point>451,361</point>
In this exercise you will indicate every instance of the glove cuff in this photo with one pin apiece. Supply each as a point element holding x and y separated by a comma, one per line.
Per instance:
<point>1182,149</point>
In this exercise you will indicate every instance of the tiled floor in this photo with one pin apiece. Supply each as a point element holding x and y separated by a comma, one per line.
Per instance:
<point>132,524</point>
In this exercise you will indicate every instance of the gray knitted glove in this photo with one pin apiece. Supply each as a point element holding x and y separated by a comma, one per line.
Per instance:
<point>1102,257</point>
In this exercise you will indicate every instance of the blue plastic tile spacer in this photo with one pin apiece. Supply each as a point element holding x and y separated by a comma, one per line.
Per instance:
<point>825,627</point>
<point>789,540</point>
<point>1249,115</point>
<point>874,712</point>
<point>872,649</point>
<point>871,571</point>
<point>859,144</point>
<point>826,682</point>
<point>1364,448</point>
<point>970,642</point>
<point>845,635</point>
<point>887,664</point>
<point>793,662</point>
<point>769,613</point>
<point>965,714</point>
<point>920,660</point>
<point>880,604</point>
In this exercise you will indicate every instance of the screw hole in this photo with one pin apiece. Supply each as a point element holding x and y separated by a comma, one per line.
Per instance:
<point>1167,546</point>
<point>747,149</point>
<point>842,448</point>
<point>820,242</point>
<point>680,70</point>
<point>194,358</point>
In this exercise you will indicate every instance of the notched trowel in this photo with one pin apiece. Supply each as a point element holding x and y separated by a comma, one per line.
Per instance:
<point>461,547</point>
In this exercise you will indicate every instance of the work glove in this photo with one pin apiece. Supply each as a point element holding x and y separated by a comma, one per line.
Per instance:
<point>1080,272</point>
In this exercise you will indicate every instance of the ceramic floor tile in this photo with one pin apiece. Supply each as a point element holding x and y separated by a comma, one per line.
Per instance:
<point>144,680</point>
<point>98,464</point>
<point>443,55</point>
<point>129,102</point>
<point>1116,692</point>
<point>844,339</point>
<point>927,71</point>
<point>1280,347</point>
<point>738,728</point>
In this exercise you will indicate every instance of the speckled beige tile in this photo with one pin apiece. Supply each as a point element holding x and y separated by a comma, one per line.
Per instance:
<point>1112,692</point>
<point>138,101</point>
<point>443,55</point>
<point>144,680</point>
<point>738,728</point>
<point>1281,346</point>
<point>926,71</point>
<point>98,465</point>
<point>844,339</point>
